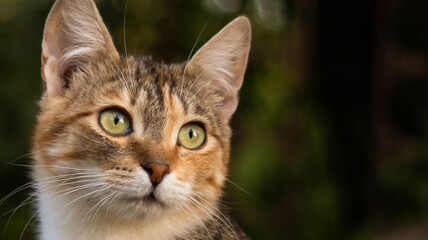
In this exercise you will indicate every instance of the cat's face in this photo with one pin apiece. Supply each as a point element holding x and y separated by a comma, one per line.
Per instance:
<point>126,136</point>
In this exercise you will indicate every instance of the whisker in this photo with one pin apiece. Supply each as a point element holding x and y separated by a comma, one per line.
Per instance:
<point>64,167</point>
<point>194,81</point>
<point>125,47</point>
<point>239,187</point>
<point>198,218</point>
<point>207,210</point>
<point>30,165</point>
<point>100,203</point>
<point>119,71</point>
<point>44,180</point>
<point>53,200</point>
<point>194,95</point>
<point>18,158</point>
<point>138,40</point>
<point>191,52</point>
<point>112,201</point>
<point>221,217</point>
<point>204,209</point>
<point>83,196</point>
<point>23,203</point>
<point>22,187</point>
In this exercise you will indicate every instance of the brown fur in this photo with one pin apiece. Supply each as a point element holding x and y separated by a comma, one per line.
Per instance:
<point>159,99</point>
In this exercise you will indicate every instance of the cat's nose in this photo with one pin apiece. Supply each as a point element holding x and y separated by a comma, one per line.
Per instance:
<point>156,171</point>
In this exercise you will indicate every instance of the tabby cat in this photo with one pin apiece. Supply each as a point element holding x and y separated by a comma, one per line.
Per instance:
<point>126,148</point>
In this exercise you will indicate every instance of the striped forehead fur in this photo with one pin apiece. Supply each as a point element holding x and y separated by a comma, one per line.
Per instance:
<point>143,83</point>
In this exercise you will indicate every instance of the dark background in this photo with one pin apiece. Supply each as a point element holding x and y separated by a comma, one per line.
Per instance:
<point>330,138</point>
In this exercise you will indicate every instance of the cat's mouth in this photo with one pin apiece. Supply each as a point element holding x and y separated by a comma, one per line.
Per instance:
<point>150,199</point>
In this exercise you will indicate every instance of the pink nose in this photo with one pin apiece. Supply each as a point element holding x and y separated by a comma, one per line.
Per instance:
<point>156,171</point>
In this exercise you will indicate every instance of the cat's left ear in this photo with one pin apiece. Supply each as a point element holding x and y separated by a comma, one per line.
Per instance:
<point>74,35</point>
<point>222,62</point>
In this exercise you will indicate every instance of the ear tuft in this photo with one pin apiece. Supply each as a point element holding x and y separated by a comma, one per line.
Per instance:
<point>222,61</point>
<point>74,35</point>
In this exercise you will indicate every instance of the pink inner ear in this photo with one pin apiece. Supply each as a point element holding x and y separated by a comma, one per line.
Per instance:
<point>50,55</point>
<point>53,81</point>
<point>239,70</point>
<point>228,107</point>
<point>230,86</point>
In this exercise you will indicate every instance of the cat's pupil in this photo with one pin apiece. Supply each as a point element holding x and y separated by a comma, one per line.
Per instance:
<point>191,133</point>
<point>116,119</point>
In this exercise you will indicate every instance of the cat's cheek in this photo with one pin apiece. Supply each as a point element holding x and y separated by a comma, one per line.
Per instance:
<point>173,192</point>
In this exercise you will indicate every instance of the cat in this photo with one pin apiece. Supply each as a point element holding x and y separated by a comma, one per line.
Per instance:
<point>126,148</point>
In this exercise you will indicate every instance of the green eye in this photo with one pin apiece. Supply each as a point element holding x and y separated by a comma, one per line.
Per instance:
<point>115,122</point>
<point>191,136</point>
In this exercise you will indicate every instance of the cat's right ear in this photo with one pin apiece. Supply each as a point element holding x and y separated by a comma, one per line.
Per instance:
<point>222,62</point>
<point>74,35</point>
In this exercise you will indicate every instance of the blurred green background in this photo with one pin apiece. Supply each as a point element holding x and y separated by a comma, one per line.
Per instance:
<point>330,138</point>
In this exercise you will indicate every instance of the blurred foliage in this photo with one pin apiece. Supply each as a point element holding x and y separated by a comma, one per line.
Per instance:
<point>283,183</point>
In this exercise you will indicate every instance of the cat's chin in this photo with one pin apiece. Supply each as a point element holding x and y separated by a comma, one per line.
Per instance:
<point>133,208</point>
<point>149,201</point>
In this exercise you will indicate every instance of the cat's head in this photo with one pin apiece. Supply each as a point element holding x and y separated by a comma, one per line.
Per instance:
<point>128,135</point>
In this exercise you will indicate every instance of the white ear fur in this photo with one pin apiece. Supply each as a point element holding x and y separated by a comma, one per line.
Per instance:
<point>74,35</point>
<point>222,60</point>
